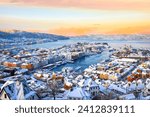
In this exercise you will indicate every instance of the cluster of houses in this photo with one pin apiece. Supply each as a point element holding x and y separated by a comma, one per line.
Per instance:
<point>130,52</point>
<point>25,60</point>
<point>112,69</point>
<point>85,88</point>
<point>88,89</point>
<point>141,72</point>
<point>107,89</point>
<point>23,75</point>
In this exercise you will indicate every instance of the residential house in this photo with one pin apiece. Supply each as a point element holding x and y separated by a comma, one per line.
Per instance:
<point>17,90</point>
<point>78,94</point>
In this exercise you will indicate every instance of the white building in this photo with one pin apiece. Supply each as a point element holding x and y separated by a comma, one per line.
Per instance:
<point>16,90</point>
<point>78,94</point>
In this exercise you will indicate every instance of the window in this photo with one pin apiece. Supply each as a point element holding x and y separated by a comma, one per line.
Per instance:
<point>5,96</point>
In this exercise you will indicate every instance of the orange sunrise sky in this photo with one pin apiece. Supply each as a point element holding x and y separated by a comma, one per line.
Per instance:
<point>76,17</point>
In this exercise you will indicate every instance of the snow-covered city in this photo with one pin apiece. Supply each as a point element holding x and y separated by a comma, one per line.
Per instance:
<point>74,58</point>
<point>99,69</point>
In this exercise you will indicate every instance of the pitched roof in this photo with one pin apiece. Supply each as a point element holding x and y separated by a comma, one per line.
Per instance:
<point>78,93</point>
<point>16,90</point>
<point>87,82</point>
<point>128,96</point>
<point>115,87</point>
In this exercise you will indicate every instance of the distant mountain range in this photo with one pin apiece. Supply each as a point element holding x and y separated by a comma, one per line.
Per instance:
<point>120,37</point>
<point>17,34</point>
<point>23,34</point>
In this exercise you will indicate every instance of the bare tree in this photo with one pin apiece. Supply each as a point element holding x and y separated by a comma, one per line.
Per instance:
<point>53,85</point>
<point>136,92</point>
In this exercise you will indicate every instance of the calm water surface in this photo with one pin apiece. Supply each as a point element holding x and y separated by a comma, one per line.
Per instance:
<point>113,43</point>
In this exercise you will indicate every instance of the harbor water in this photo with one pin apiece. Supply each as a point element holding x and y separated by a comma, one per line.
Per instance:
<point>89,60</point>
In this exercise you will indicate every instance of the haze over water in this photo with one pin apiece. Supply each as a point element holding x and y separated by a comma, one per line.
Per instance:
<point>112,43</point>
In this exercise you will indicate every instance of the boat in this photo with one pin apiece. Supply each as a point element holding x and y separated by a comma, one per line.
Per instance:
<point>70,61</point>
<point>58,63</point>
<point>77,68</point>
<point>49,65</point>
